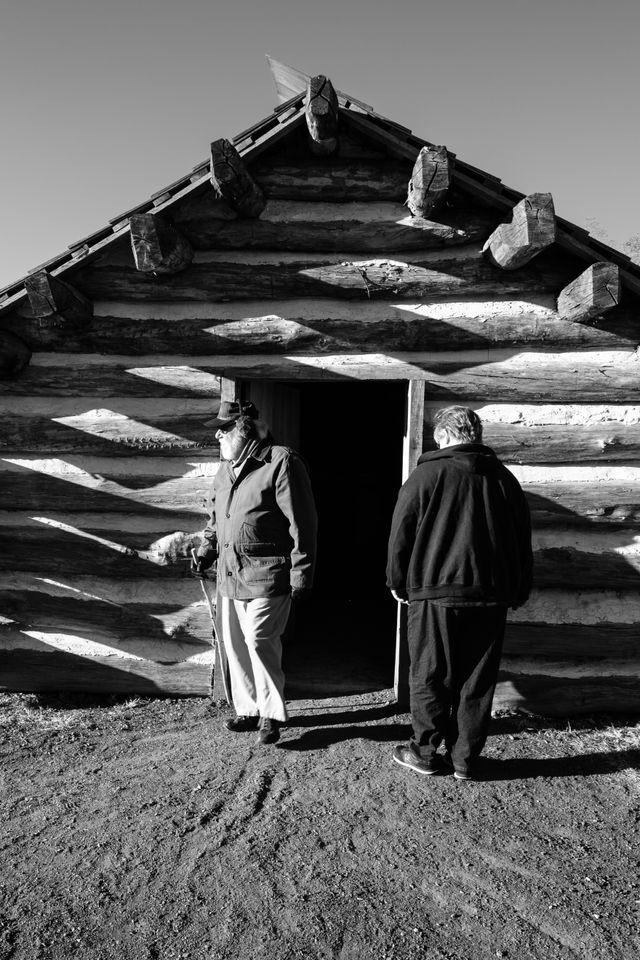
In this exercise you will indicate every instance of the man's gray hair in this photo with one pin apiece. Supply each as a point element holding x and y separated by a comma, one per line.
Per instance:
<point>461,423</point>
<point>246,427</point>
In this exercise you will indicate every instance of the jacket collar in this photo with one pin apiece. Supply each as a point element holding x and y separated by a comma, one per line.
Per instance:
<point>454,450</point>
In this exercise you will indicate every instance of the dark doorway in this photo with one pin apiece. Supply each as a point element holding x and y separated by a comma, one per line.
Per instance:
<point>351,435</point>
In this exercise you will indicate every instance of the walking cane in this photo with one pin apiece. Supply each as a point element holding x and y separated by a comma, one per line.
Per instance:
<point>221,655</point>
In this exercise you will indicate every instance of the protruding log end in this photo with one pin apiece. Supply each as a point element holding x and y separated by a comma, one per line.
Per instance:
<point>531,228</point>
<point>52,299</point>
<point>321,113</point>
<point>157,246</point>
<point>593,293</point>
<point>430,180</point>
<point>14,355</point>
<point>232,181</point>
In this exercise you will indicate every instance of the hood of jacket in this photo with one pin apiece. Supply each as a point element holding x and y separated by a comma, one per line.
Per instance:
<point>469,457</point>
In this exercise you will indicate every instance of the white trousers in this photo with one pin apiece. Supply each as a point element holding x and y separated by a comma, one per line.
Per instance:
<point>252,635</point>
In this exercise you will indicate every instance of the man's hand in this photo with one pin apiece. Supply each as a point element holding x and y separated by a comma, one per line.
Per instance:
<point>300,593</point>
<point>199,565</point>
<point>396,596</point>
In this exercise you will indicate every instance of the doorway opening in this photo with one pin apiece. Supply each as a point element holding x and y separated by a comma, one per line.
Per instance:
<point>343,639</point>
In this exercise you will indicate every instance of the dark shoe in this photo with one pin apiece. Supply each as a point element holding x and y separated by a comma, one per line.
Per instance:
<point>406,757</point>
<point>269,731</point>
<point>242,724</point>
<point>458,772</point>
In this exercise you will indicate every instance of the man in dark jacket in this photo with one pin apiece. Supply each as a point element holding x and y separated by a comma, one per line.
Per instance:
<point>262,531</point>
<point>459,555</point>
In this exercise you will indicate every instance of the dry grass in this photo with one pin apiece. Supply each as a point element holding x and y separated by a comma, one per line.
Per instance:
<point>60,711</point>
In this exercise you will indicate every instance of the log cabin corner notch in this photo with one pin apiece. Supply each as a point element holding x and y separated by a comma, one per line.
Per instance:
<point>157,246</point>
<point>530,229</point>
<point>321,114</point>
<point>325,296</point>
<point>52,298</point>
<point>232,181</point>
<point>595,292</point>
<point>430,180</point>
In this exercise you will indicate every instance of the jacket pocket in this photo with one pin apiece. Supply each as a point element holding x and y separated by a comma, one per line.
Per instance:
<point>258,569</point>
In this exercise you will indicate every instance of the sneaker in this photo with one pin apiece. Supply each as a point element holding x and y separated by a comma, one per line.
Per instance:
<point>269,731</point>
<point>242,724</point>
<point>406,757</point>
<point>458,774</point>
<point>462,775</point>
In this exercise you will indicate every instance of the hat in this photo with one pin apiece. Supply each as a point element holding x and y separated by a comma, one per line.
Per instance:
<point>230,411</point>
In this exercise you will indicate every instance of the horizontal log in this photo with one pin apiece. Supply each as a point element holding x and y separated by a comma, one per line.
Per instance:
<point>578,607</point>
<point>530,229</point>
<point>595,492</point>
<point>72,549</point>
<point>157,247</point>
<point>584,503</point>
<point>232,181</point>
<point>293,225</point>
<point>559,697</point>
<point>563,443</point>
<point>250,275</point>
<point>14,355</point>
<point>594,292</point>
<point>572,641</point>
<point>40,672</point>
<point>326,326</point>
<point>556,433</point>
<point>430,181</point>
<point>57,301</point>
<point>96,626</point>
<point>340,180</point>
<point>118,485</point>
<point>149,597</point>
<point>589,376</point>
<point>565,566</point>
<point>604,668</point>
<point>321,115</point>
<point>116,431</point>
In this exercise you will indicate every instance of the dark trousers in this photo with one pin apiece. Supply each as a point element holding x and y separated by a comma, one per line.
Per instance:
<point>455,655</point>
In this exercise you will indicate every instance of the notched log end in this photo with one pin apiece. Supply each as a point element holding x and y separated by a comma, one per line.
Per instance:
<point>52,298</point>
<point>232,181</point>
<point>157,246</point>
<point>594,292</point>
<point>430,181</point>
<point>529,229</point>
<point>14,355</point>
<point>321,114</point>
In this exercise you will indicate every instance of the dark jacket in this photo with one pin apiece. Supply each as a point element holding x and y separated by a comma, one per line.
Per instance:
<point>461,530</point>
<point>262,525</point>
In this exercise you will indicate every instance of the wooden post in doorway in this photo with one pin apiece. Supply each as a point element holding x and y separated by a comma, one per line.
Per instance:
<point>229,389</point>
<point>411,451</point>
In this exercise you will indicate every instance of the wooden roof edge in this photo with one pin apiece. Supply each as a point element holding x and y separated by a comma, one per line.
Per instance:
<point>571,237</point>
<point>262,134</point>
<point>13,293</point>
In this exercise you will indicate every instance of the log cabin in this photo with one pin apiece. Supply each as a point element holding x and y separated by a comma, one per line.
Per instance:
<point>350,278</point>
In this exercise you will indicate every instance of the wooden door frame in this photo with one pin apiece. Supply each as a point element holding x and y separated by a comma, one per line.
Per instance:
<point>231,389</point>
<point>411,452</point>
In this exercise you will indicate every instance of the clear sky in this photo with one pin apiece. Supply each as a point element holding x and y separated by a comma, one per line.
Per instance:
<point>103,102</point>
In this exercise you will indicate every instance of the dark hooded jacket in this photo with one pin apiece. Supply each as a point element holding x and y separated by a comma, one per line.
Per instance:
<point>461,530</point>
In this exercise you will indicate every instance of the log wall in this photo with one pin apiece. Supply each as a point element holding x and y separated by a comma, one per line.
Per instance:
<point>105,460</point>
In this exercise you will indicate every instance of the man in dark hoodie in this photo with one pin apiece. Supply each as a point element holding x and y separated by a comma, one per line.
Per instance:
<point>459,555</point>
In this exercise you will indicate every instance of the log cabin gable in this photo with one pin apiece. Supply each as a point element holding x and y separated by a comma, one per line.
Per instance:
<point>373,212</point>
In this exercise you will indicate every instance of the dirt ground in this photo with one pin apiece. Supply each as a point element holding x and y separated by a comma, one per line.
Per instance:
<point>141,829</point>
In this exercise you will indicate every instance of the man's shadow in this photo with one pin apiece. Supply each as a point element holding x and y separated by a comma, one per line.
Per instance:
<point>322,730</point>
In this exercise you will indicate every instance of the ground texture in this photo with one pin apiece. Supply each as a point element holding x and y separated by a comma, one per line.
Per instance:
<point>142,829</point>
